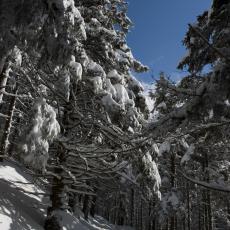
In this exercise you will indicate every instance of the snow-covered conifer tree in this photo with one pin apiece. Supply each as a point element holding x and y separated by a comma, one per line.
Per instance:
<point>77,96</point>
<point>197,124</point>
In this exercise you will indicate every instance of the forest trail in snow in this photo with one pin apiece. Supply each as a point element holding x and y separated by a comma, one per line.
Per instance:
<point>23,208</point>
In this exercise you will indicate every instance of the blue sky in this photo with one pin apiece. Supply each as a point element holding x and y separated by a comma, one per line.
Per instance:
<point>159,28</point>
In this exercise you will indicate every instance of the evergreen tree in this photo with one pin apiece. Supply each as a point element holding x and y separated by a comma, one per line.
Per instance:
<point>77,68</point>
<point>195,125</point>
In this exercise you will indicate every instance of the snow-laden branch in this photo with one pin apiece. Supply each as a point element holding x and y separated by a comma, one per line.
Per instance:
<point>200,128</point>
<point>208,43</point>
<point>205,184</point>
<point>168,85</point>
<point>4,116</point>
<point>182,112</point>
<point>13,95</point>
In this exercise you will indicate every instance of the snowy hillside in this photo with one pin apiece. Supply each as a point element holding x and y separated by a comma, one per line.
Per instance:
<point>23,205</point>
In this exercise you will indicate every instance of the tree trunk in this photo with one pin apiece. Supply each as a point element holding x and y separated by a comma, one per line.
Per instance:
<point>189,208</point>
<point>114,208</point>
<point>199,215</point>
<point>154,225</point>
<point>208,208</point>
<point>228,209</point>
<point>2,63</point>
<point>184,223</point>
<point>132,208</point>
<point>86,206</point>
<point>173,171</point>
<point>167,224</point>
<point>93,206</point>
<point>149,215</point>
<point>72,202</point>
<point>58,196</point>
<point>137,211</point>
<point>141,215</point>
<point>8,125</point>
<point>172,223</point>
<point>3,79</point>
<point>173,184</point>
<point>52,222</point>
<point>14,135</point>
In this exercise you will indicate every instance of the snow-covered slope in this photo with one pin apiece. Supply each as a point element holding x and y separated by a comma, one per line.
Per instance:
<point>19,210</point>
<point>23,204</point>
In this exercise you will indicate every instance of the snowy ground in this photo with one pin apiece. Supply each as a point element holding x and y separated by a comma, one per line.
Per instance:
<point>21,209</point>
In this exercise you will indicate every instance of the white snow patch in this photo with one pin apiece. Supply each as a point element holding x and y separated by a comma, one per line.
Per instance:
<point>113,74</point>
<point>226,102</point>
<point>96,69</point>
<point>44,129</point>
<point>153,172</point>
<point>149,101</point>
<point>97,84</point>
<point>75,69</point>
<point>162,105</point>
<point>187,155</point>
<point>19,210</point>
<point>164,148</point>
<point>210,113</point>
<point>110,88</point>
<point>170,201</point>
<point>110,104</point>
<point>122,95</point>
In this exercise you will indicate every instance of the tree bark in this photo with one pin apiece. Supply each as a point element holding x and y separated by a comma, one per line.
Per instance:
<point>141,215</point>
<point>72,202</point>
<point>14,135</point>
<point>189,208</point>
<point>58,196</point>
<point>8,125</point>
<point>228,210</point>
<point>86,206</point>
<point>3,78</point>
<point>93,205</point>
<point>173,184</point>
<point>132,208</point>
<point>208,197</point>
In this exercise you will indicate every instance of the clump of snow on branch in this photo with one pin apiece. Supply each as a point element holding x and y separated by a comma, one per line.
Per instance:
<point>187,155</point>
<point>110,88</point>
<point>110,104</point>
<point>164,147</point>
<point>44,129</point>
<point>127,174</point>
<point>151,171</point>
<point>75,69</point>
<point>169,202</point>
<point>122,95</point>
<point>135,85</point>
<point>17,56</point>
<point>114,75</point>
<point>63,84</point>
